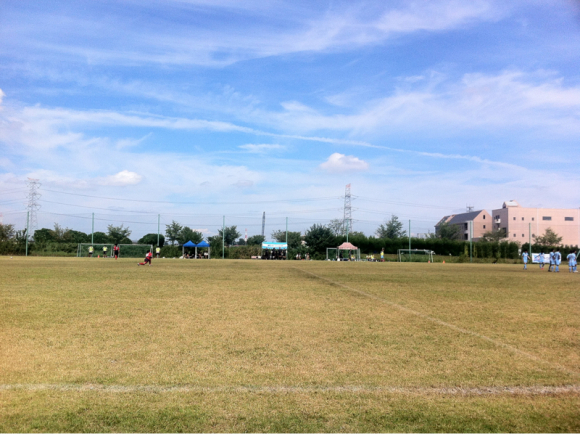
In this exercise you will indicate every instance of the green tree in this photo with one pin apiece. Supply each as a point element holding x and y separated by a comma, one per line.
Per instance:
<point>72,236</point>
<point>118,234</point>
<point>231,233</point>
<point>7,232</point>
<point>256,240</point>
<point>446,231</point>
<point>43,235</point>
<point>550,238</point>
<point>494,236</point>
<point>101,238</point>
<point>172,232</point>
<point>337,227</point>
<point>187,234</point>
<point>241,242</point>
<point>318,238</point>
<point>294,238</point>
<point>58,233</point>
<point>152,239</point>
<point>392,229</point>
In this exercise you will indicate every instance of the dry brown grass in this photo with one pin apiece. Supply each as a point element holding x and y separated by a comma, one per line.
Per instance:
<point>223,324</point>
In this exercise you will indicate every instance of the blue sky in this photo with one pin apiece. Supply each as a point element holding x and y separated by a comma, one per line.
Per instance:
<point>195,109</point>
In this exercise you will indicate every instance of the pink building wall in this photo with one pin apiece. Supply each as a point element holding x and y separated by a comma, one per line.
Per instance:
<point>516,221</point>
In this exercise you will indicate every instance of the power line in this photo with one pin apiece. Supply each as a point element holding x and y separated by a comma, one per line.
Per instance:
<point>197,202</point>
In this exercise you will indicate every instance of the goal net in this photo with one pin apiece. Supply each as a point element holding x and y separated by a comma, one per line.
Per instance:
<point>415,255</point>
<point>125,250</point>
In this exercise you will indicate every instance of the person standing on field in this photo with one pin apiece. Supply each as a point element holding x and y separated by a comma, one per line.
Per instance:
<point>157,251</point>
<point>525,259</point>
<point>572,262</point>
<point>552,260</point>
<point>105,248</point>
<point>147,260</point>
<point>382,255</point>
<point>91,251</point>
<point>116,251</point>
<point>541,259</point>
<point>557,260</point>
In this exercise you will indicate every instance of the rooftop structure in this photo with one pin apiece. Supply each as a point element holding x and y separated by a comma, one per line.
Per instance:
<point>482,222</point>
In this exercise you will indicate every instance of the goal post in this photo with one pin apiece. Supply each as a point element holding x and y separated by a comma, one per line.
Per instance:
<point>415,255</point>
<point>125,250</point>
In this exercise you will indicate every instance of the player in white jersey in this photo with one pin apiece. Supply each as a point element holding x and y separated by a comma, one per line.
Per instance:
<point>541,259</point>
<point>572,262</point>
<point>525,259</point>
<point>558,260</point>
<point>552,260</point>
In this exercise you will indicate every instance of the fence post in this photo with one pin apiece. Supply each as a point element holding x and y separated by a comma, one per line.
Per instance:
<point>27,227</point>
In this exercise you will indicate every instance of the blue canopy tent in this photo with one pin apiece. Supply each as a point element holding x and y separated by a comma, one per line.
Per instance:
<point>204,243</point>
<point>188,244</point>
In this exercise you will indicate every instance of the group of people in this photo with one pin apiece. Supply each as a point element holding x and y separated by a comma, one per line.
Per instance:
<point>116,251</point>
<point>555,259</point>
<point>274,254</point>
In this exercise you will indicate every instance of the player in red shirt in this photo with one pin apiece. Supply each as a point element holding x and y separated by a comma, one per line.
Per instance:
<point>148,258</point>
<point>116,251</point>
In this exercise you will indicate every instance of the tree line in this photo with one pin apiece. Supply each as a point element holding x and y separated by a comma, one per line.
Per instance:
<point>389,236</point>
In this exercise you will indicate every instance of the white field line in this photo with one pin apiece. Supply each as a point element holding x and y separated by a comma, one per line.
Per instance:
<point>446,324</point>
<point>458,391</point>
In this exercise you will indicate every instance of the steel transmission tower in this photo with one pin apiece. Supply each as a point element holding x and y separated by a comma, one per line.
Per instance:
<point>347,219</point>
<point>33,205</point>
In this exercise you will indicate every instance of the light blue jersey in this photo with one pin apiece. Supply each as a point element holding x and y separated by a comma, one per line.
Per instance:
<point>558,257</point>
<point>525,257</point>
<point>571,259</point>
<point>552,258</point>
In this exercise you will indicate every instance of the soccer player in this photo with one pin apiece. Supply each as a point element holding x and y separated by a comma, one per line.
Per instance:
<point>572,262</point>
<point>148,257</point>
<point>157,251</point>
<point>552,260</point>
<point>105,248</point>
<point>382,255</point>
<point>91,251</point>
<point>116,251</point>
<point>557,260</point>
<point>525,259</point>
<point>541,260</point>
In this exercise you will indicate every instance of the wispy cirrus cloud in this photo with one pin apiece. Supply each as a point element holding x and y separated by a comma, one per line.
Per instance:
<point>261,148</point>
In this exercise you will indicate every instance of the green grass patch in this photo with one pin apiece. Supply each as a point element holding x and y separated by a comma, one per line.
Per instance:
<point>234,334</point>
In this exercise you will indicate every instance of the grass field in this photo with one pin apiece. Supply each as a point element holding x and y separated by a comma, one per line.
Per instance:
<point>104,345</point>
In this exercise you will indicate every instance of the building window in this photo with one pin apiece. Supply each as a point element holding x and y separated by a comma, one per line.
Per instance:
<point>523,235</point>
<point>522,219</point>
<point>483,226</point>
<point>514,235</point>
<point>484,216</point>
<point>514,218</point>
<point>569,219</point>
<point>546,218</point>
<point>532,218</point>
<point>533,235</point>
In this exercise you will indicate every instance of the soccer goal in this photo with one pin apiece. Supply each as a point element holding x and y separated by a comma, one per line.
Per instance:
<point>415,255</point>
<point>125,250</point>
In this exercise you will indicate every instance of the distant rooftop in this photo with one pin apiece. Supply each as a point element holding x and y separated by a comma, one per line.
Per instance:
<point>510,203</point>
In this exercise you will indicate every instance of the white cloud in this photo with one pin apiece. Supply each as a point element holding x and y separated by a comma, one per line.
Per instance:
<point>122,179</point>
<point>261,148</point>
<point>244,183</point>
<point>2,95</point>
<point>338,163</point>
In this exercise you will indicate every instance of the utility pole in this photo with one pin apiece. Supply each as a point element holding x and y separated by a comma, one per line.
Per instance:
<point>93,230</point>
<point>263,222</point>
<point>27,226</point>
<point>286,233</point>
<point>224,238</point>
<point>158,227</point>
<point>471,241</point>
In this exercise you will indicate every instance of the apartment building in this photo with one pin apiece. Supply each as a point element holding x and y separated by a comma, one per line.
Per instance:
<point>518,221</point>
<point>482,222</point>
